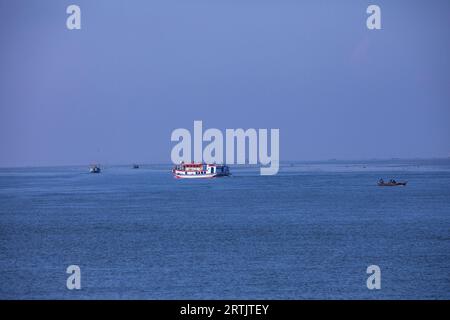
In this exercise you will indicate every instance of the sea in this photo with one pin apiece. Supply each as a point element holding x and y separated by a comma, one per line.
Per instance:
<point>309,232</point>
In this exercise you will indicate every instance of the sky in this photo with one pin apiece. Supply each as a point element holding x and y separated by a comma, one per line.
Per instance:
<point>113,91</point>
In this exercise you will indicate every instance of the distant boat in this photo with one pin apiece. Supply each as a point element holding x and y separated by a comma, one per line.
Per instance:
<point>135,166</point>
<point>94,169</point>
<point>391,183</point>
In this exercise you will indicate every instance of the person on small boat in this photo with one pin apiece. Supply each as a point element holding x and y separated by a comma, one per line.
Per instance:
<point>381,181</point>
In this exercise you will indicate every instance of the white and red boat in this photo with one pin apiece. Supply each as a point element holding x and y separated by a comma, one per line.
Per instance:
<point>200,170</point>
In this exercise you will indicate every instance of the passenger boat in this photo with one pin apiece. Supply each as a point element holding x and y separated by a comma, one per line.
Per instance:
<point>200,170</point>
<point>94,169</point>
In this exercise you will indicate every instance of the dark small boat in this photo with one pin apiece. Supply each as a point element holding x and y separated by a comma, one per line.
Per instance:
<point>135,166</point>
<point>391,183</point>
<point>94,169</point>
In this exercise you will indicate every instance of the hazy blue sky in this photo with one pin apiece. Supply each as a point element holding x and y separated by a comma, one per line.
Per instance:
<point>113,91</point>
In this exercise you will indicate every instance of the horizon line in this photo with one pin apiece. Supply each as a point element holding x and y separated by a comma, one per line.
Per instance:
<point>246,164</point>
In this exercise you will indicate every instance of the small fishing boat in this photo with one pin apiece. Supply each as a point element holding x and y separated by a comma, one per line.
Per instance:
<point>391,183</point>
<point>200,170</point>
<point>94,169</point>
<point>135,166</point>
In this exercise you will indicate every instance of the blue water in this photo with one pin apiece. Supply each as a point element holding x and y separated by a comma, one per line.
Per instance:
<point>309,232</point>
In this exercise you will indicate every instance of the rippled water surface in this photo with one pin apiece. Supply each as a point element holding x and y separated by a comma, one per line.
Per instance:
<point>308,232</point>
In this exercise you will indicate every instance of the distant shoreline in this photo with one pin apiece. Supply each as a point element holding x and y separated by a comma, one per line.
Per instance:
<point>284,162</point>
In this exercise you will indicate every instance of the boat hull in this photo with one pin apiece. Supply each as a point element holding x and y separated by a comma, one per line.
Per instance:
<point>390,184</point>
<point>194,176</point>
